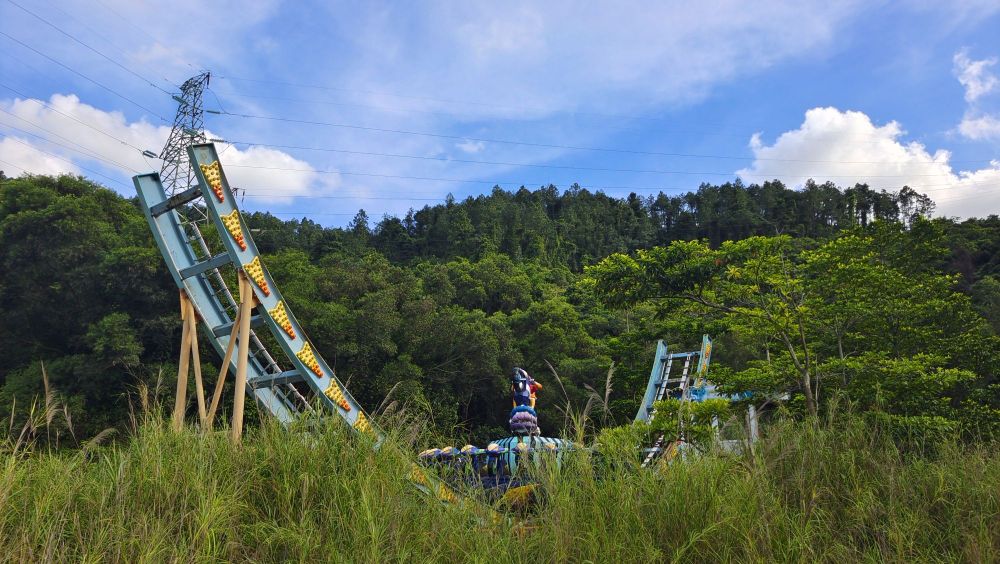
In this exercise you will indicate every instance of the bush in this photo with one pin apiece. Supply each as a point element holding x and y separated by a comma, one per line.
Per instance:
<point>836,491</point>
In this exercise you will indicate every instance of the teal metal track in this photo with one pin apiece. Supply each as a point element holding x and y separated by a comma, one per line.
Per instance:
<point>290,377</point>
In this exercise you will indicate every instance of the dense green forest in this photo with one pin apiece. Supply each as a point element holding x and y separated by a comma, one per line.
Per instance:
<point>807,291</point>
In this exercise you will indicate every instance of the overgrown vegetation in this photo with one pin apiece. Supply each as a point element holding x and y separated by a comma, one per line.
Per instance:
<point>441,304</point>
<point>813,296</point>
<point>833,491</point>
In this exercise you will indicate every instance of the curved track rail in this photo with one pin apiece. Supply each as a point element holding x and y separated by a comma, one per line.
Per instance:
<point>200,271</point>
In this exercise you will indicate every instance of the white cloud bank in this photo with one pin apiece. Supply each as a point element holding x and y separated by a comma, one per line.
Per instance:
<point>538,58</point>
<point>979,81</point>
<point>845,147</point>
<point>980,128</point>
<point>81,133</point>
<point>19,153</point>
<point>975,76</point>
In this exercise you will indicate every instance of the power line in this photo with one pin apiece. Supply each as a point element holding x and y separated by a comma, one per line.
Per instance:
<point>252,191</point>
<point>381,175</point>
<point>93,154</point>
<point>144,32</point>
<point>110,42</point>
<point>567,167</point>
<point>512,109</point>
<point>626,170</point>
<point>525,144</point>
<point>43,104</point>
<point>874,138</point>
<point>78,73</point>
<point>521,109</point>
<point>441,159</point>
<point>501,163</point>
<point>74,38</point>
<point>13,165</point>
<point>53,155</point>
<point>85,152</point>
<point>383,108</point>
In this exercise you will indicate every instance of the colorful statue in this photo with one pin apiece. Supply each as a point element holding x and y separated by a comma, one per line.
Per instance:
<point>533,387</point>
<point>520,387</point>
<point>523,419</point>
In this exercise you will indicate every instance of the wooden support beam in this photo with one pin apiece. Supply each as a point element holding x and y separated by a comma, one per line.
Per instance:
<point>196,361</point>
<point>226,361</point>
<point>180,397</point>
<point>242,356</point>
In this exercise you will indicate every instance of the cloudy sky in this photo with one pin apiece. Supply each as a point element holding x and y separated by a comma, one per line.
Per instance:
<point>327,107</point>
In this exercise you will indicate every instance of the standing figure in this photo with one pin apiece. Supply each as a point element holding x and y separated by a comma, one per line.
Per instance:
<point>520,387</point>
<point>533,387</point>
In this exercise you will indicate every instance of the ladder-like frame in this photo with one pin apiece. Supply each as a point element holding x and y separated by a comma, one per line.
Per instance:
<point>207,300</point>
<point>663,384</point>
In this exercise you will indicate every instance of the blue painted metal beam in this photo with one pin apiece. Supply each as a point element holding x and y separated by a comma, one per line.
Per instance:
<point>175,201</point>
<point>175,246</point>
<point>204,266</point>
<point>256,321</point>
<point>274,380</point>
<point>655,374</point>
<point>221,207</point>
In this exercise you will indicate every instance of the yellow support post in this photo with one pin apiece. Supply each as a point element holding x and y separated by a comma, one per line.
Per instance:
<point>242,358</point>
<point>196,361</point>
<point>226,361</point>
<point>180,397</point>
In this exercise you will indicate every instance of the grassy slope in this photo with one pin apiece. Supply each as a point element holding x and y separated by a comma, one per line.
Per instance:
<point>811,493</point>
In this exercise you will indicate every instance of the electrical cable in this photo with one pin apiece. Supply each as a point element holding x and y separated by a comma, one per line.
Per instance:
<point>45,105</point>
<point>527,144</point>
<point>112,43</point>
<point>692,173</point>
<point>35,125</point>
<point>146,33</point>
<point>564,167</point>
<point>74,38</point>
<point>13,165</point>
<point>424,178</point>
<point>86,152</point>
<point>53,155</point>
<point>78,73</point>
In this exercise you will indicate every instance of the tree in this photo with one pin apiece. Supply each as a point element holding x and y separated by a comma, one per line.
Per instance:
<point>869,298</point>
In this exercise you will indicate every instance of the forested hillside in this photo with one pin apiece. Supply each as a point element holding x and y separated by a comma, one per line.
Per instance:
<point>439,305</point>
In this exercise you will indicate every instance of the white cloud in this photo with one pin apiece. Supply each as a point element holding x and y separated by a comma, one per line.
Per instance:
<point>273,176</point>
<point>978,81</point>
<point>64,124</point>
<point>505,31</point>
<point>178,37</point>
<point>975,76</point>
<point>23,155</point>
<point>531,59</point>
<point>469,146</point>
<point>847,148</point>
<point>980,127</point>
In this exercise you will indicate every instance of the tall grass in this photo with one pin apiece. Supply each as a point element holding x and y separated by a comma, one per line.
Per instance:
<point>840,490</point>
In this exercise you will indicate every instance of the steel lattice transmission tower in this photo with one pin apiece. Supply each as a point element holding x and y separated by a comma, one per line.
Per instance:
<point>189,128</point>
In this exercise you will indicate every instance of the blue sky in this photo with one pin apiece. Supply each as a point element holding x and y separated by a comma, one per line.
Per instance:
<point>423,100</point>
